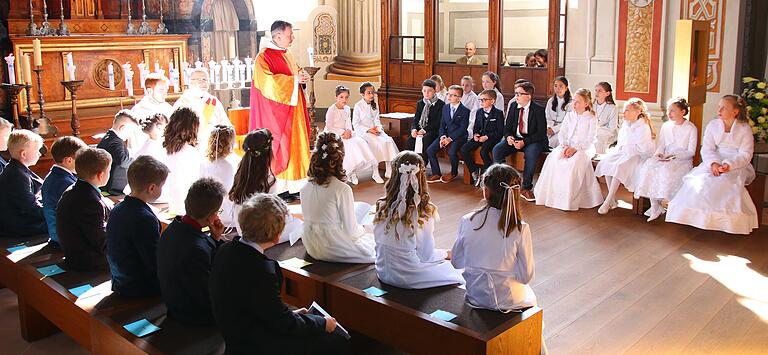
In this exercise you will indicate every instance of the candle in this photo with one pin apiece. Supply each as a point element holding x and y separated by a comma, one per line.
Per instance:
<point>174,78</point>
<point>10,59</point>
<point>185,71</point>
<point>38,53</point>
<point>70,61</point>
<point>212,71</point>
<point>26,69</point>
<point>248,68</point>
<point>111,74</point>
<point>71,70</point>
<point>225,70</point>
<point>141,73</point>
<point>128,78</point>
<point>232,53</point>
<point>311,52</point>
<point>157,66</point>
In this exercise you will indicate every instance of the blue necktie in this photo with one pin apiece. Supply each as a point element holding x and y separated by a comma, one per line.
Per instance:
<point>453,111</point>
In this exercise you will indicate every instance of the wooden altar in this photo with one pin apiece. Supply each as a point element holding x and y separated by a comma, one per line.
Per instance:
<point>92,53</point>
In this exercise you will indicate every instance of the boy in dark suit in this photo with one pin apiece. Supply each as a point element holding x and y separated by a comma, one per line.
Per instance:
<point>114,142</point>
<point>185,254</point>
<point>245,292</point>
<point>60,178</point>
<point>487,132</point>
<point>21,208</point>
<point>525,131</point>
<point>452,133</point>
<point>82,213</point>
<point>426,120</point>
<point>133,231</point>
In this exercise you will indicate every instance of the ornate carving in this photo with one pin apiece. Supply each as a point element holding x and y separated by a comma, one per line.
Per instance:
<point>324,37</point>
<point>638,52</point>
<point>713,11</point>
<point>100,73</point>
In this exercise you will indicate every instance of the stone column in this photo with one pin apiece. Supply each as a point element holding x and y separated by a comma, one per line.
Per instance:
<point>359,39</point>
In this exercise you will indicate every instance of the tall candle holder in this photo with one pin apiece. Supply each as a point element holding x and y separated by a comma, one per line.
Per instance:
<point>45,128</point>
<point>144,27</point>
<point>12,91</point>
<point>161,29</point>
<point>32,26</point>
<point>312,113</point>
<point>45,27</point>
<point>72,86</point>
<point>63,29</point>
<point>130,29</point>
<point>30,119</point>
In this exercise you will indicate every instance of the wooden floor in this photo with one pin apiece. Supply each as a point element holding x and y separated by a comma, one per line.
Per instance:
<point>608,284</point>
<point>617,284</point>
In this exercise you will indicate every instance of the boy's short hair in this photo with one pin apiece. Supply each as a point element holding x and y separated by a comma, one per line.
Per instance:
<point>456,87</point>
<point>527,87</point>
<point>5,124</point>
<point>153,78</point>
<point>467,77</point>
<point>204,198</point>
<point>429,83</point>
<point>19,139</point>
<point>92,161</point>
<point>520,81</point>
<point>489,93</point>
<point>66,147</point>
<point>123,116</point>
<point>262,217</point>
<point>144,171</point>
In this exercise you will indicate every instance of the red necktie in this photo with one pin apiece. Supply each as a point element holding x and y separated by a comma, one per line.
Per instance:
<point>520,121</point>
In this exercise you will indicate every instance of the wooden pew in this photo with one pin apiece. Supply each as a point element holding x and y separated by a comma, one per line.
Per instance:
<point>109,336</point>
<point>516,160</point>
<point>401,319</point>
<point>304,285</point>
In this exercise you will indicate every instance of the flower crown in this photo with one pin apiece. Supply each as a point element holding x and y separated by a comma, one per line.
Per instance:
<point>258,151</point>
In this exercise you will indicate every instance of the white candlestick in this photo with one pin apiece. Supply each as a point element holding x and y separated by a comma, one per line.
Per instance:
<point>185,72</point>
<point>311,52</point>
<point>71,70</point>
<point>157,67</point>
<point>141,67</point>
<point>248,68</point>
<point>174,76</point>
<point>70,61</point>
<point>198,64</point>
<point>128,78</point>
<point>11,72</point>
<point>236,70</point>
<point>212,71</point>
<point>225,79</point>
<point>111,75</point>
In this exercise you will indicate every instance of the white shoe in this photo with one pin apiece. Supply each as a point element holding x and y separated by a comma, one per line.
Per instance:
<point>655,214</point>
<point>388,171</point>
<point>607,206</point>
<point>376,177</point>
<point>353,179</point>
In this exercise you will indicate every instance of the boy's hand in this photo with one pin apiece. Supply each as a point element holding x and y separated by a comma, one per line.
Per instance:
<point>330,324</point>
<point>217,228</point>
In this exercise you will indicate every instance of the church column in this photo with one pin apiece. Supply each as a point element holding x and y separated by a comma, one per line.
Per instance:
<point>359,40</point>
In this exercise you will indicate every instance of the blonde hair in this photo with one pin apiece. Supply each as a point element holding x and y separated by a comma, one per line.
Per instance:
<point>220,143</point>
<point>639,104</point>
<point>19,139</point>
<point>586,95</point>
<point>502,182</point>
<point>262,217</point>
<point>439,80</point>
<point>5,124</point>
<point>739,104</point>
<point>385,211</point>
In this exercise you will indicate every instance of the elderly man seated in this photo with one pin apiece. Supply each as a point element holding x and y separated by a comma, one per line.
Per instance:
<point>469,57</point>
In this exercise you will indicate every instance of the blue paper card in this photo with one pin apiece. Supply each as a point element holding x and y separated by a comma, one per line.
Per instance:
<point>374,291</point>
<point>50,270</point>
<point>141,328</point>
<point>17,248</point>
<point>79,290</point>
<point>443,315</point>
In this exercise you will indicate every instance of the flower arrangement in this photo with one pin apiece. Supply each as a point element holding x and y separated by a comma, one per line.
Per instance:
<point>756,96</point>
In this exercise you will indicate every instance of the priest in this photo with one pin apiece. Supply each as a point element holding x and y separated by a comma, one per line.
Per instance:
<point>209,109</point>
<point>278,104</point>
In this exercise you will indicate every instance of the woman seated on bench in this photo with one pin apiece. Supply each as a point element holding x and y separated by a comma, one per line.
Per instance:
<point>404,231</point>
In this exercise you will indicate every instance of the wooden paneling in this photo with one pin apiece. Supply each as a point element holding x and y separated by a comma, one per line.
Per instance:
<point>407,75</point>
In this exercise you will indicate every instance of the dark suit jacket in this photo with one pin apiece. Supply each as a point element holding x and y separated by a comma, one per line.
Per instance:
<point>433,119</point>
<point>537,123</point>
<point>118,173</point>
<point>21,207</point>
<point>81,218</point>
<point>455,127</point>
<point>492,126</point>
<point>245,292</point>
<point>184,259</point>
<point>54,185</point>
<point>132,234</point>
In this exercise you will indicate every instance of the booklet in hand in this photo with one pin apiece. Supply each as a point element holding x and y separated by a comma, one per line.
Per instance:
<point>319,311</point>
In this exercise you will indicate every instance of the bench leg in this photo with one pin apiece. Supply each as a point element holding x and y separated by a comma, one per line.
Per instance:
<point>640,205</point>
<point>467,175</point>
<point>34,325</point>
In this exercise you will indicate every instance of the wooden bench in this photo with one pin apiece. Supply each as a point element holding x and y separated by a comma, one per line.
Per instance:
<point>304,285</point>
<point>401,318</point>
